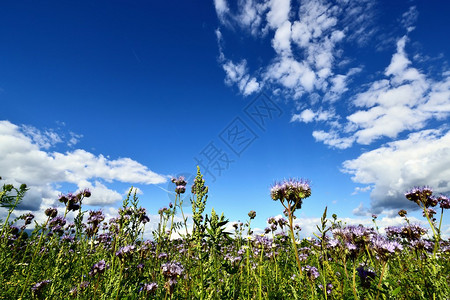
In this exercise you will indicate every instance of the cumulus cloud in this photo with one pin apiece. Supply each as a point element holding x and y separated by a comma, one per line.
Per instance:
<point>405,100</point>
<point>332,139</point>
<point>24,158</point>
<point>309,39</point>
<point>306,41</point>
<point>420,159</point>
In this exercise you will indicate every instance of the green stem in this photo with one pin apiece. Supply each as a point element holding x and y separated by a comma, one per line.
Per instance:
<point>18,197</point>
<point>381,278</point>
<point>436,237</point>
<point>173,213</point>
<point>260,272</point>
<point>120,279</point>
<point>354,282</point>
<point>32,261</point>
<point>291,226</point>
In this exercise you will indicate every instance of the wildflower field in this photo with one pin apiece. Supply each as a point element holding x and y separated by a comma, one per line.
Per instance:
<point>94,259</point>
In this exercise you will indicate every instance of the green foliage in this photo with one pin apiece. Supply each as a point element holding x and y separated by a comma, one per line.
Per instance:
<point>92,259</point>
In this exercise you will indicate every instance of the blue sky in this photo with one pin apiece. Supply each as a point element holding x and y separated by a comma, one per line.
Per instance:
<point>352,95</point>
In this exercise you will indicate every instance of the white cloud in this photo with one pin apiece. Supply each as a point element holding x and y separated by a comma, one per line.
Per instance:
<point>361,189</point>
<point>74,139</point>
<point>237,74</point>
<point>45,139</point>
<point>421,159</point>
<point>409,18</point>
<point>360,210</point>
<point>221,9</point>
<point>305,42</point>
<point>281,42</point>
<point>404,100</point>
<point>305,116</point>
<point>25,160</point>
<point>278,13</point>
<point>333,139</point>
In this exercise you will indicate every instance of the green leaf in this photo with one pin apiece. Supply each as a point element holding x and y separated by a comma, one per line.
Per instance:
<point>396,291</point>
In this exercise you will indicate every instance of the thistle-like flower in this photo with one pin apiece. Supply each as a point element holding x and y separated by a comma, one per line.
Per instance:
<point>366,275</point>
<point>180,183</point>
<point>444,202</point>
<point>292,190</point>
<point>311,272</point>
<point>421,195</point>
<point>98,268</point>
<point>149,288</point>
<point>37,288</point>
<point>51,212</point>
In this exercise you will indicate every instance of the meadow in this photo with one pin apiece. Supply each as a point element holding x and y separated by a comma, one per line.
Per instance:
<point>94,258</point>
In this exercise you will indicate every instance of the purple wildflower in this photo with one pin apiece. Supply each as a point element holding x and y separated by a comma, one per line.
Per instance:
<point>172,269</point>
<point>163,255</point>
<point>149,288</point>
<point>98,268</point>
<point>86,193</point>
<point>402,212</point>
<point>444,202</point>
<point>125,252</point>
<point>311,272</point>
<point>180,183</point>
<point>36,289</point>
<point>51,212</point>
<point>384,248</point>
<point>28,218</point>
<point>291,190</point>
<point>420,195</point>
<point>366,276</point>
<point>180,189</point>
<point>57,221</point>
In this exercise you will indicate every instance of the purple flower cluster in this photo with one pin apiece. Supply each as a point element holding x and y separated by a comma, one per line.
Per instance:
<point>311,272</point>
<point>424,195</point>
<point>171,271</point>
<point>180,183</point>
<point>51,212</point>
<point>262,242</point>
<point>142,215</point>
<point>410,232</point>
<point>444,202</point>
<point>355,238</point>
<point>234,260</point>
<point>384,247</point>
<point>149,288</point>
<point>27,218</point>
<point>98,268</point>
<point>56,224</point>
<point>125,252</point>
<point>37,288</point>
<point>73,201</point>
<point>291,190</point>
<point>95,218</point>
<point>366,275</point>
